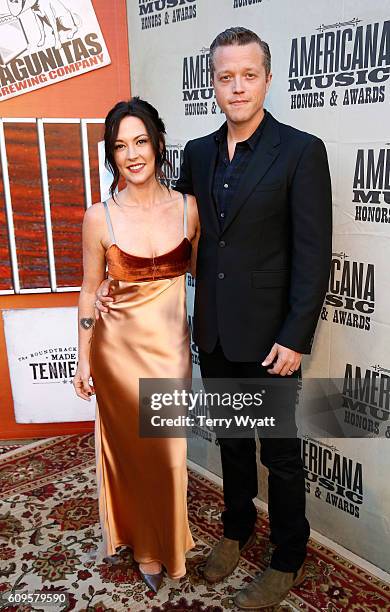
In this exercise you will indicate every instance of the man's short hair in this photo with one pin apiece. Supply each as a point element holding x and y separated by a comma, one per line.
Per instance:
<point>239,36</point>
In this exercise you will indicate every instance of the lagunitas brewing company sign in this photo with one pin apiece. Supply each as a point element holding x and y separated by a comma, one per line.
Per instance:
<point>331,477</point>
<point>156,13</point>
<point>351,293</point>
<point>344,64</point>
<point>42,43</point>
<point>366,399</point>
<point>371,185</point>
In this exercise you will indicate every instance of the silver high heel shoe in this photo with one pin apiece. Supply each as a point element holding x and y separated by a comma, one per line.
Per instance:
<point>153,581</point>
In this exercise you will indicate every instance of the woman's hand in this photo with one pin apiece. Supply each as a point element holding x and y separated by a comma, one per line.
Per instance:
<point>81,381</point>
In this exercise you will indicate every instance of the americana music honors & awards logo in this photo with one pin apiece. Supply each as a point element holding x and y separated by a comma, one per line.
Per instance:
<point>350,300</point>
<point>345,63</point>
<point>160,13</point>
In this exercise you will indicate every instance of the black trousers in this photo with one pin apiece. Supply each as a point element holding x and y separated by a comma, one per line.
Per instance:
<point>286,483</point>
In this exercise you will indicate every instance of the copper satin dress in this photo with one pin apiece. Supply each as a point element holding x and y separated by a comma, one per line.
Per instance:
<point>142,482</point>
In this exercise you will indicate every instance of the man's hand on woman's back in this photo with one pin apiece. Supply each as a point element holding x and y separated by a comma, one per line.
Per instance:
<point>103,300</point>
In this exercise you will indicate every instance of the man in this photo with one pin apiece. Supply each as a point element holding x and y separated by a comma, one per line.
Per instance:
<point>264,198</point>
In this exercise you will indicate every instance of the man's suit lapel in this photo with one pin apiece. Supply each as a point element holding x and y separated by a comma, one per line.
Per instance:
<point>210,183</point>
<point>267,150</point>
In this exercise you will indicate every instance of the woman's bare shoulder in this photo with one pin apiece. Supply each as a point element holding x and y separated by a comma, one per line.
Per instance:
<point>178,195</point>
<point>94,215</point>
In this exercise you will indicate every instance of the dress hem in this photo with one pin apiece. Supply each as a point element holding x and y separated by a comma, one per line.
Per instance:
<point>175,576</point>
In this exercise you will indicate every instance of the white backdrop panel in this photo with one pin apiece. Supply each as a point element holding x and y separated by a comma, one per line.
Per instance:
<point>343,97</point>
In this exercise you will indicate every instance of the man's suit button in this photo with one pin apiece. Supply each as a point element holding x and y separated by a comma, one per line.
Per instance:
<point>222,243</point>
<point>221,275</point>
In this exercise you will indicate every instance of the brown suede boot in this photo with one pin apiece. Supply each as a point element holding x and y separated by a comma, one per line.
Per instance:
<point>269,589</point>
<point>224,558</point>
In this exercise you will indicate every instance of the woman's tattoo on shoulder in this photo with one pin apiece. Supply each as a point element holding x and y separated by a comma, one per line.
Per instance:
<point>87,323</point>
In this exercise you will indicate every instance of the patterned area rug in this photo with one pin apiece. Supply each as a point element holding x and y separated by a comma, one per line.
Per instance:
<point>6,448</point>
<point>9,445</point>
<point>49,534</point>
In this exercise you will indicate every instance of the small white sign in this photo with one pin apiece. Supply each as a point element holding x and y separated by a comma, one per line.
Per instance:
<point>42,357</point>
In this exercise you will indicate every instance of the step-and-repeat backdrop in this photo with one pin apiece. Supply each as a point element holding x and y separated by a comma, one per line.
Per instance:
<point>330,63</point>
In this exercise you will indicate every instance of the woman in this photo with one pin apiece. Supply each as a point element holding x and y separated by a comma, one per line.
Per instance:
<point>147,235</point>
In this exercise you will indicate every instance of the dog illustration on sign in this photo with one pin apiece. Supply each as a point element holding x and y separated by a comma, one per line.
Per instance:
<point>52,13</point>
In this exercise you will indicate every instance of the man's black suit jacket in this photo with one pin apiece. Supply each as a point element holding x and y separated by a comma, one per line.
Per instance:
<point>262,279</point>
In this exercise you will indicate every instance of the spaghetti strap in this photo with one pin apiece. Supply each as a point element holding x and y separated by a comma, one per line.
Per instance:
<point>109,223</point>
<point>185,214</point>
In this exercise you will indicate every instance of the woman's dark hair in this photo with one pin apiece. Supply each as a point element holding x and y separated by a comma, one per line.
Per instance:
<point>154,126</point>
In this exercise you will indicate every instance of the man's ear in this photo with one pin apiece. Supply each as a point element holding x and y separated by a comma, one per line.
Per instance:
<point>268,82</point>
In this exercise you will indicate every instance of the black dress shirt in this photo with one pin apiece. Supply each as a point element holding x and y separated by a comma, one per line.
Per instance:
<point>228,173</point>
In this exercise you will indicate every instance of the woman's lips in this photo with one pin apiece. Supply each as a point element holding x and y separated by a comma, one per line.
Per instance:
<point>136,168</point>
